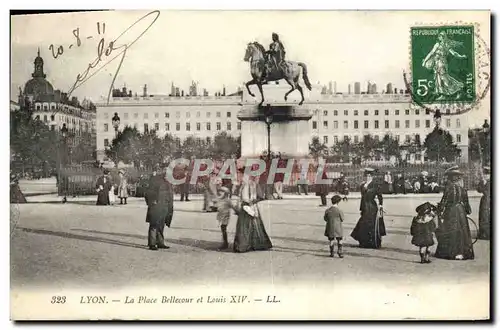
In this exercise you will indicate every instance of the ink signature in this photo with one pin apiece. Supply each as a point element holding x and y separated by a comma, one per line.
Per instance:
<point>106,51</point>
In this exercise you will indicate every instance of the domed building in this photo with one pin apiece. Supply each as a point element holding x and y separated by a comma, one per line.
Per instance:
<point>54,107</point>
<point>38,85</point>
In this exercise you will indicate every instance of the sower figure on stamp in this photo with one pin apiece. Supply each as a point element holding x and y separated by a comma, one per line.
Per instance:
<point>160,200</point>
<point>436,60</point>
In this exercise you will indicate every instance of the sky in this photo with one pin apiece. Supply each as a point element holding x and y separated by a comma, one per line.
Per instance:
<point>208,47</point>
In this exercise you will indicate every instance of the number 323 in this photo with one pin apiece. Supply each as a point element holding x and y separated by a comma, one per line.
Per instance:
<point>58,300</point>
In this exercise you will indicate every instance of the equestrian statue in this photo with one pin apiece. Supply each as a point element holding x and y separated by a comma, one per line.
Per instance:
<point>270,65</point>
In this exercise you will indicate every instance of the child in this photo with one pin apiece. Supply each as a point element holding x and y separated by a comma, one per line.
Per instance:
<point>422,227</point>
<point>224,206</point>
<point>334,218</point>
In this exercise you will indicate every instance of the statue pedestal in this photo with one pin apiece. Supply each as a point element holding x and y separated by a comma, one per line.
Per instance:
<point>290,130</point>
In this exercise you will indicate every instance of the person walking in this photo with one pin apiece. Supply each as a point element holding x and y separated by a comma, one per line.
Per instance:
<point>160,201</point>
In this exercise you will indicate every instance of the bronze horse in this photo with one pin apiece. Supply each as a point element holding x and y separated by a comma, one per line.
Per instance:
<point>255,54</point>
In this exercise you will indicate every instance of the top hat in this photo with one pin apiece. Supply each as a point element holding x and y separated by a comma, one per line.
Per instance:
<point>453,168</point>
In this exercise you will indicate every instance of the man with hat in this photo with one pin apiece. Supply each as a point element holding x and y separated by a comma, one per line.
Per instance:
<point>484,187</point>
<point>453,233</point>
<point>160,200</point>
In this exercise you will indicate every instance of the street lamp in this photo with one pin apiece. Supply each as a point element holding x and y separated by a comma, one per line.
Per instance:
<point>269,121</point>
<point>115,121</point>
<point>61,180</point>
<point>437,118</point>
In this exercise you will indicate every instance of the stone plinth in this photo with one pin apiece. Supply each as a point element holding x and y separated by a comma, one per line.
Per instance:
<point>290,130</point>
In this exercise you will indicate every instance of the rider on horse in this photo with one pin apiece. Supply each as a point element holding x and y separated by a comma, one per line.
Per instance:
<point>275,56</point>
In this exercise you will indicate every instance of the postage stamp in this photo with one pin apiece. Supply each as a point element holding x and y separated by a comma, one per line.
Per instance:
<point>443,64</point>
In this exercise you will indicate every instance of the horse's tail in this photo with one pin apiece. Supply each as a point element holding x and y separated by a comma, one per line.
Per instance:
<point>304,75</point>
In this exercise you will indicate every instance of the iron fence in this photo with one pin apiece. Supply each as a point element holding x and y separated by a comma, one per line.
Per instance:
<point>81,180</point>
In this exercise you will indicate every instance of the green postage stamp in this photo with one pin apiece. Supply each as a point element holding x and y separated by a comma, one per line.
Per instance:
<point>442,60</point>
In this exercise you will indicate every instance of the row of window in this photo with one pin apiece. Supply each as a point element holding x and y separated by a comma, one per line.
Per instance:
<point>38,107</point>
<point>386,112</point>
<point>376,124</point>
<point>66,120</point>
<point>208,126</point>
<point>218,114</point>
<point>208,139</point>
<point>408,138</point>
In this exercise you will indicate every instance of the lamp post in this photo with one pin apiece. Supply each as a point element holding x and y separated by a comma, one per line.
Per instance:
<point>269,121</point>
<point>437,122</point>
<point>115,121</point>
<point>63,133</point>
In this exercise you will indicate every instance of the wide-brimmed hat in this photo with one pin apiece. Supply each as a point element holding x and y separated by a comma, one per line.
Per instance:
<point>454,173</point>
<point>368,170</point>
<point>224,190</point>
<point>106,171</point>
<point>121,171</point>
<point>425,173</point>
<point>453,168</point>
<point>425,208</point>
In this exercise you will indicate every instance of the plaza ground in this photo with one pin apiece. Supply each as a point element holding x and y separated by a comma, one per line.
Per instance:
<point>81,244</point>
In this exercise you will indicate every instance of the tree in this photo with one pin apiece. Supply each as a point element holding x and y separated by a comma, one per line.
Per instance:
<point>480,145</point>
<point>317,149</point>
<point>342,150</point>
<point>367,148</point>
<point>391,148</point>
<point>33,144</point>
<point>225,146</point>
<point>84,149</point>
<point>439,146</point>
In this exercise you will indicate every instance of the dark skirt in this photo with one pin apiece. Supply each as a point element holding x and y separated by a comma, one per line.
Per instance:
<point>250,234</point>
<point>422,234</point>
<point>453,235</point>
<point>369,230</point>
<point>484,218</point>
<point>103,198</point>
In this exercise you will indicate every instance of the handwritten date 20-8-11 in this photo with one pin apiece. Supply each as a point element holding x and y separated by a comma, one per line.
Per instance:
<point>56,52</point>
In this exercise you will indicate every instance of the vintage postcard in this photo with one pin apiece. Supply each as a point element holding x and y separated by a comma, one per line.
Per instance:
<point>231,165</point>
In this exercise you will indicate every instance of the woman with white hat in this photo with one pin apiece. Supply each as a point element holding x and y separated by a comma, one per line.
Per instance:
<point>250,233</point>
<point>122,187</point>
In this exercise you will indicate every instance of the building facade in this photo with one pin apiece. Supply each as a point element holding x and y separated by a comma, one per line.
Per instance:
<point>353,116</point>
<point>54,107</point>
<point>335,117</point>
<point>199,116</point>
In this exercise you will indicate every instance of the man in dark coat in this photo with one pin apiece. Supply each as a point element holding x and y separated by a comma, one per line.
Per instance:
<point>160,200</point>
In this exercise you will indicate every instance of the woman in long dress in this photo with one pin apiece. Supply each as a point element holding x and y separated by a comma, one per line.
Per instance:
<point>436,60</point>
<point>370,227</point>
<point>250,233</point>
<point>103,187</point>
<point>453,232</point>
<point>485,205</point>
<point>123,187</point>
